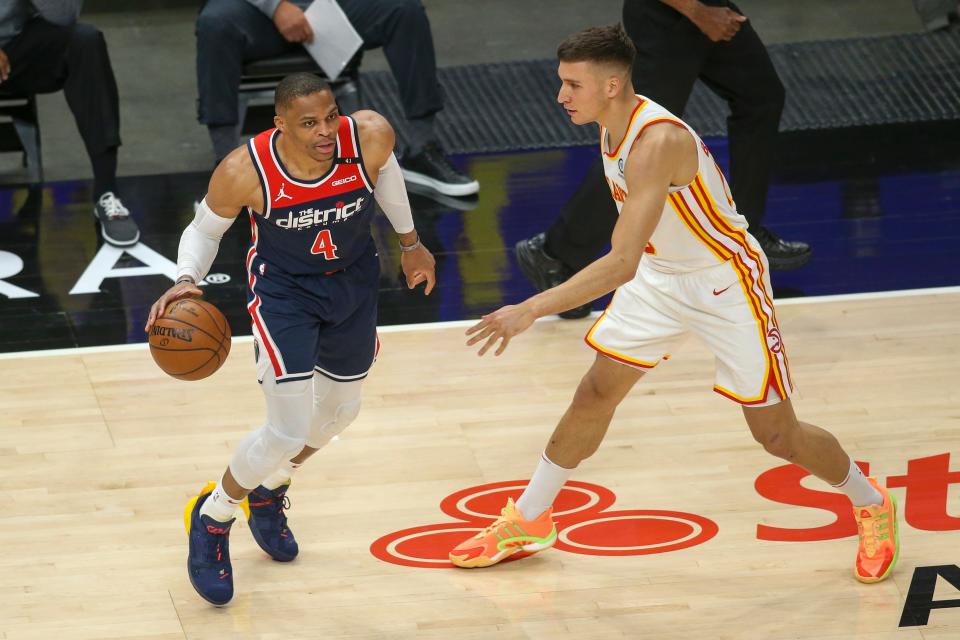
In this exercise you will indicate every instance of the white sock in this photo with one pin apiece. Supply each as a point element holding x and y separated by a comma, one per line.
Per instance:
<point>858,488</point>
<point>219,506</point>
<point>281,475</point>
<point>543,488</point>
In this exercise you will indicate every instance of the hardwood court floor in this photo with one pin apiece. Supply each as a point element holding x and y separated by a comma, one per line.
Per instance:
<point>99,452</point>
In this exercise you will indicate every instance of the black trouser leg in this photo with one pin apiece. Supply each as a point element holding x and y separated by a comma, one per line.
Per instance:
<point>741,72</point>
<point>91,93</point>
<point>45,58</point>
<point>229,33</point>
<point>37,58</point>
<point>402,28</point>
<point>585,223</point>
<point>668,61</point>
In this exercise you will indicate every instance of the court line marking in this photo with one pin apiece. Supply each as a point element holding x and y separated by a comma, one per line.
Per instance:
<point>453,324</point>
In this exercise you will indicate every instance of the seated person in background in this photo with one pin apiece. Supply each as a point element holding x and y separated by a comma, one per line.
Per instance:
<point>44,49</point>
<point>232,32</point>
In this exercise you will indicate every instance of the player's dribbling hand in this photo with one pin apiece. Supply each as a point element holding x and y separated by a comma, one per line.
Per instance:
<point>177,291</point>
<point>419,266</point>
<point>502,325</point>
<point>291,23</point>
<point>717,23</point>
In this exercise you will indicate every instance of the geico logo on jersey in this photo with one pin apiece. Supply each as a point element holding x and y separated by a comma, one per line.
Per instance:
<point>310,217</point>
<point>337,183</point>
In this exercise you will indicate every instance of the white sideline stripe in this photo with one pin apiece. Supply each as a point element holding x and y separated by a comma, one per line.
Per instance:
<point>453,324</point>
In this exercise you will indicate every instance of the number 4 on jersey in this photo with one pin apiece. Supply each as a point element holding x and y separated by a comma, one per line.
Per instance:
<point>324,244</point>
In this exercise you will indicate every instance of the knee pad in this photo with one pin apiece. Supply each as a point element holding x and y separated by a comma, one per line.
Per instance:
<point>335,406</point>
<point>260,453</point>
<point>289,406</point>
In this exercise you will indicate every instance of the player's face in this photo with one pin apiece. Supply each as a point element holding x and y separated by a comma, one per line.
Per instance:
<point>582,91</point>
<point>312,122</point>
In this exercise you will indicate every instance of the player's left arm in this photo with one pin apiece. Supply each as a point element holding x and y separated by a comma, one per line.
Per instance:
<point>377,140</point>
<point>660,157</point>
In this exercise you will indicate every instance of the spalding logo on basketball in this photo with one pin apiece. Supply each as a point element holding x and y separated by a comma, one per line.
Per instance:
<point>190,340</point>
<point>584,524</point>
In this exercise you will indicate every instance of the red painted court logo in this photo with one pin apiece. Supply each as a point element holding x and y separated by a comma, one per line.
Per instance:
<point>583,523</point>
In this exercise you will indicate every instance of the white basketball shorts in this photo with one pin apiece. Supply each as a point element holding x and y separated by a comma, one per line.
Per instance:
<point>728,306</point>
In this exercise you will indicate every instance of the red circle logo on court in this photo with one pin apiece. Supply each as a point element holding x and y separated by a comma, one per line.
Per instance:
<point>583,522</point>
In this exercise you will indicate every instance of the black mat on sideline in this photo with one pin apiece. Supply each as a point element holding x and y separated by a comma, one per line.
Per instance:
<point>830,85</point>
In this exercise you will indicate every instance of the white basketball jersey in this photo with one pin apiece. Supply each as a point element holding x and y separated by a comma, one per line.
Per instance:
<point>700,226</point>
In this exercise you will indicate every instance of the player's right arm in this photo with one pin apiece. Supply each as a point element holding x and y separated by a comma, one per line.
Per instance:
<point>233,186</point>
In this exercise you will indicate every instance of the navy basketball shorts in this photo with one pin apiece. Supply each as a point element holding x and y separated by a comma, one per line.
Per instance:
<point>323,323</point>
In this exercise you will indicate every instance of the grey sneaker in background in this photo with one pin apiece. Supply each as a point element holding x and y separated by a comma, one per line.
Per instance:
<point>116,225</point>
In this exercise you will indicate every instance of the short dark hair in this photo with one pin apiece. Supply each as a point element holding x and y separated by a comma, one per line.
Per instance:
<point>297,85</point>
<point>599,44</point>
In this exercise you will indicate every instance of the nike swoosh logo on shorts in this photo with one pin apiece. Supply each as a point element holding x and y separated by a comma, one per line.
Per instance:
<point>716,293</point>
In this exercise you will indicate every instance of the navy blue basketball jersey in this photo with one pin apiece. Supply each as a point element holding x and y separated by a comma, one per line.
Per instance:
<point>315,226</point>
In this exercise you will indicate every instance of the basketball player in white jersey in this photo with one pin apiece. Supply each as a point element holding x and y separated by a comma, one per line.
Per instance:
<point>681,261</point>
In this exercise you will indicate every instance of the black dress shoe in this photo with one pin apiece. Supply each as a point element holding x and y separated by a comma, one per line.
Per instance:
<point>431,168</point>
<point>546,272</point>
<point>783,255</point>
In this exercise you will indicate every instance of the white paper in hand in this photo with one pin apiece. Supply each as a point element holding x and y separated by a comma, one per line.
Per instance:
<point>335,41</point>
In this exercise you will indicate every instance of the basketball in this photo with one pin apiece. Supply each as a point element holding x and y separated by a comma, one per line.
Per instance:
<point>190,340</point>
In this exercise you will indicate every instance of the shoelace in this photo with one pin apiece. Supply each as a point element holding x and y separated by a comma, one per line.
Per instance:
<point>221,536</point>
<point>113,207</point>
<point>282,503</point>
<point>494,525</point>
<point>869,531</point>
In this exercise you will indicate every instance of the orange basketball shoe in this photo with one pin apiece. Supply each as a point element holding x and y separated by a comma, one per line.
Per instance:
<point>879,538</point>
<point>508,534</point>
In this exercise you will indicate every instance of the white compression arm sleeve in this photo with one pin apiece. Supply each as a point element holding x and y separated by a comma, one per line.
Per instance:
<point>200,242</point>
<point>391,195</point>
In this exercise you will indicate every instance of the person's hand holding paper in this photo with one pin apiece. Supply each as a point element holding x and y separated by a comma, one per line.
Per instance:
<point>335,41</point>
<point>292,23</point>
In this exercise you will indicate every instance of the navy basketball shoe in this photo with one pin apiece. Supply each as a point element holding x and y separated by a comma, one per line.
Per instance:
<point>268,522</point>
<point>208,561</point>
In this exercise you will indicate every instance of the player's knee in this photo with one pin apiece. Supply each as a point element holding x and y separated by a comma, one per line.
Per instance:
<point>592,396</point>
<point>777,442</point>
<point>279,444</point>
<point>336,406</point>
<point>326,427</point>
<point>261,453</point>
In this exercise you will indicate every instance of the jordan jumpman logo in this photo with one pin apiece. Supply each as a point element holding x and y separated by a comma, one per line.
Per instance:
<point>281,194</point>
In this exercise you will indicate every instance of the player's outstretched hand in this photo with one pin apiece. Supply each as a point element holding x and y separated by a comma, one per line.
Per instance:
<point>419,266</point>
<point>177,291</point>
<point>502,325</point>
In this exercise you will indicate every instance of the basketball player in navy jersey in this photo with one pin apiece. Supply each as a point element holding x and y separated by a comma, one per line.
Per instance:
<point>309,187</point>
